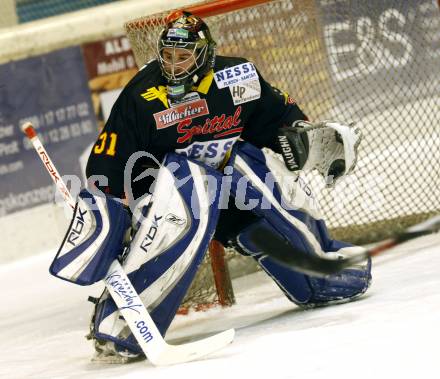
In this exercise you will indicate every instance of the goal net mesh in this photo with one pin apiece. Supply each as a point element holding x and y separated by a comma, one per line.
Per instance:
<point>375,63</point>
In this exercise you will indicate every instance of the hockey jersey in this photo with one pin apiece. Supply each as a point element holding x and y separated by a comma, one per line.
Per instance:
<point>231,101</point>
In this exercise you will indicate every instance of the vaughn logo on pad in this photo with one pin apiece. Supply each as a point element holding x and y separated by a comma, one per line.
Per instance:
<point>181,112</point>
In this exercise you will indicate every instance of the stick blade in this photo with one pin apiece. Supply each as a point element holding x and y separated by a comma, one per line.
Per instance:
<point>276,247</point>
<point>191,351</point>
<point>432,225</point>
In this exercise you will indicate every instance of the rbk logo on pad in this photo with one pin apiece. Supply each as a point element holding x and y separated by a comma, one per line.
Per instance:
<point>77,227</point>
<point>185,111</point>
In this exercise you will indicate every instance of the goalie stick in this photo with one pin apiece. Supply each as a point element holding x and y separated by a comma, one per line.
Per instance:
<point>156,349</point>
<point>278,248</point>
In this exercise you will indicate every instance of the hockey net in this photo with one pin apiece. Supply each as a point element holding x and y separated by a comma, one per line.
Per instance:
<point>372,62</point>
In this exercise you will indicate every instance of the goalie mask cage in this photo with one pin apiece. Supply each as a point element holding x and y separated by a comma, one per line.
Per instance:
<point>375,63</point>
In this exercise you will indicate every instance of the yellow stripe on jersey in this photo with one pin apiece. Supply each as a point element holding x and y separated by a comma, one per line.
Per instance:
<point>205,83</point>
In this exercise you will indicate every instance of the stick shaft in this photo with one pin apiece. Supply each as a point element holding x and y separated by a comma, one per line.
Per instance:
<point>30,132</point>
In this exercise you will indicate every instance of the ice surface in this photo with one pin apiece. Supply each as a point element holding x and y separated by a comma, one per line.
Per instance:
<point>393,331</point>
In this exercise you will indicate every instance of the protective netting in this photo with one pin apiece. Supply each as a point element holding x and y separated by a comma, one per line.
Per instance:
<point>14,12</point>
<point>373,62</point>
<point>30,10</point>
<point>376,63</point>
<point>204,292</point>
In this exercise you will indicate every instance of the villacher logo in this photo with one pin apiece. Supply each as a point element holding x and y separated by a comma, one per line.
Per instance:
<point>174,115</point>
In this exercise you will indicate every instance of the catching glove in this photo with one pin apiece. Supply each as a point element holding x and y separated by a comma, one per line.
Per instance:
<point>328,146</point>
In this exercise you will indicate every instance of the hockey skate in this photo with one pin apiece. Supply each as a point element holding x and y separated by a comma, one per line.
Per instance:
<point>107,351</point>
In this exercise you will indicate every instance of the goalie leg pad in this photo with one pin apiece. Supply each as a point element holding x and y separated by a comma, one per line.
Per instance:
<point>302,289</point>
<point>292,283</point>
<point>93,240</point>
<point>300,224</point>
<point>168,247</point>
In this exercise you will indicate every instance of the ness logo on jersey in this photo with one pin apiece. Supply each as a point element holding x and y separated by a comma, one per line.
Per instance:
<point>209,152</point>
<point>236,74</point>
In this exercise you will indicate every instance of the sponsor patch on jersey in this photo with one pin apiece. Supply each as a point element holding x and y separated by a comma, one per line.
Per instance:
<point>209,152</point>
<point>191,96</point>
<point>245,92</point>
<point>180,112</point>
<point>236,74</point>
<point>219,127</point>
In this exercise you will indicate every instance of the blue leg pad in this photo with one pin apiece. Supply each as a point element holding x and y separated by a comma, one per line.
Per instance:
<point>306,290</point>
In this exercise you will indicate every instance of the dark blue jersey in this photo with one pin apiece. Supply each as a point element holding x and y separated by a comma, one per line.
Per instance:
<point>232,101</point>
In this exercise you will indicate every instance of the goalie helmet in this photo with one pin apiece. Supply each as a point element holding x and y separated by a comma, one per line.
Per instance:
<point>185,51</point>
